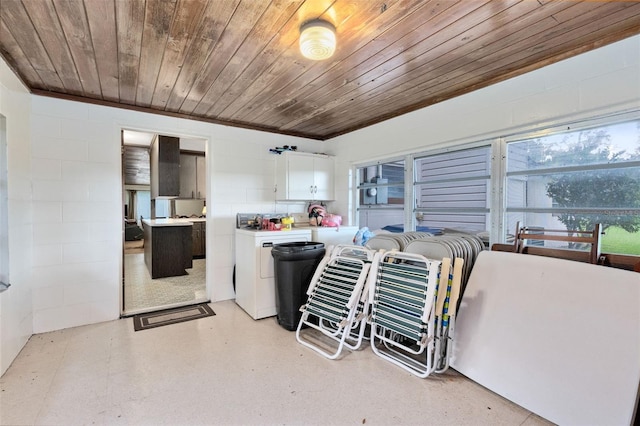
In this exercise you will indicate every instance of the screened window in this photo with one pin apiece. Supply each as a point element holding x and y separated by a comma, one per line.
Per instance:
<point>576,179</point>
<point>452,190</point>
<point>381,189</point>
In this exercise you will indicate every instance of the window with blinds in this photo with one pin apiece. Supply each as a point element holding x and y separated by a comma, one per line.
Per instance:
<point>452,189</point>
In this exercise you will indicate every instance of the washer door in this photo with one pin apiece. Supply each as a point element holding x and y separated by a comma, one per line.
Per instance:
<point>266,260</point>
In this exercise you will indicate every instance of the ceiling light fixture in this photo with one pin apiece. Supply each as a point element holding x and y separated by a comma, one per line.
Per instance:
<point>317,39</point>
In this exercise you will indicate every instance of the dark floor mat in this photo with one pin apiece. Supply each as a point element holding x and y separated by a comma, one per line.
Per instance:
<point>171,316</point>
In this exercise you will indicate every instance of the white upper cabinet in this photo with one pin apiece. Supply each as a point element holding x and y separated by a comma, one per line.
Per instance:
<point>303,176</point>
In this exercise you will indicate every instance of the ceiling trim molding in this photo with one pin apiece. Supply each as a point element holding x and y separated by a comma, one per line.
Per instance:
<point>137,108</point>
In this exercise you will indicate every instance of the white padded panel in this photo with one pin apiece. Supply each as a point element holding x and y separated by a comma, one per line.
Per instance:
<point>559,338</point>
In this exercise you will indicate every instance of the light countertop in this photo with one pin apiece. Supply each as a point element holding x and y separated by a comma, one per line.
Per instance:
<point>195,219</point>
<point>299,231</point>
<point>167,222</point>
<point>324,228</point>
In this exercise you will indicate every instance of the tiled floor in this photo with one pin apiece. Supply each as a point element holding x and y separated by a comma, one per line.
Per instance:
<point>227,370</point>
<point>141,292</point>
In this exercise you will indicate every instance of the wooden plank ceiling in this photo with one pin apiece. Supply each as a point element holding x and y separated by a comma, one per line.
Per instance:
<point>237,62</point>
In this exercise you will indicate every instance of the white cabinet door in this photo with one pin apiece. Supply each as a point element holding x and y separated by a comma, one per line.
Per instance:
<point>282,181</point>
<point>301,179</point>
<point>323,172</point>
<point>303,176</point>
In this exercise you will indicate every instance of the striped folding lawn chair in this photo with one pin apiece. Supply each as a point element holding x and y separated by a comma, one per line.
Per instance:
<point>335,313</point>
<point>448,293</point>
<point>358,326</point>
<point>402,303</point>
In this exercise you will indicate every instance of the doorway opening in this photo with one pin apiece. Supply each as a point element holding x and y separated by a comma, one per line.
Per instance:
<point>158,229</point>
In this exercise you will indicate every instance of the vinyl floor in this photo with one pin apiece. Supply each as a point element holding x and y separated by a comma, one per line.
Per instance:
<point>142,293</point>
<point>228,370</point>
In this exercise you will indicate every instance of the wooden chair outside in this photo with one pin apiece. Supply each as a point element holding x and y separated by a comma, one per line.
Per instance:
<point>524,234</point>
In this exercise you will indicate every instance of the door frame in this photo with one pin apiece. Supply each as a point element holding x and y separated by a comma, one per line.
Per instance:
<point>208,265</point>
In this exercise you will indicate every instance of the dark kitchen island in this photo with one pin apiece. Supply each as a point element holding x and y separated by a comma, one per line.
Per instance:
<point>167,247</point>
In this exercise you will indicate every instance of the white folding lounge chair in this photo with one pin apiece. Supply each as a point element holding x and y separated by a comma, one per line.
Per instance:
<point>402,311</point>
<point>358,326</point>
<point>335,293</point>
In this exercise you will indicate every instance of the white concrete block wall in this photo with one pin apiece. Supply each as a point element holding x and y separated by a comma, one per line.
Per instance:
<point>77,198</point>
<point>599,82</point>
<point>16,321</point>
<point>77,231</point>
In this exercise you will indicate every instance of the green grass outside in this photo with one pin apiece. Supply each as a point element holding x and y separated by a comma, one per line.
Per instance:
<point>617,240</point>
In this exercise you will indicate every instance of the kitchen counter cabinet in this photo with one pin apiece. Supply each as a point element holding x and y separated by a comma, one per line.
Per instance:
<point>199,239</point>
<point>167,247</point>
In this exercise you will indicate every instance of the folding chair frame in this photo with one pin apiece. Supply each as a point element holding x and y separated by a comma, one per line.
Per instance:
<point>403,305</point>
<point>334,297</point>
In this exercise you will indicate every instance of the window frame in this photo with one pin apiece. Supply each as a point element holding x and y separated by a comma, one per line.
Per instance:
<point>483,144</point>
<point>498,174</point>
<point>575,126</point>
<point>360,186</point>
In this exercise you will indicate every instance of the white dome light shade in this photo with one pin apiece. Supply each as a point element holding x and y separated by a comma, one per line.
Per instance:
<point>317,40</point>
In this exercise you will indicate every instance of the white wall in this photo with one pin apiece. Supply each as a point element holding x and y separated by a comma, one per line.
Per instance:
<point>77,198</point>
<point>71,170</point>
<point>598,82</point>
<point>16,324</point>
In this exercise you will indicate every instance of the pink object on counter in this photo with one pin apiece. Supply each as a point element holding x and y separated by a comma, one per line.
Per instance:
<point>332,220</point>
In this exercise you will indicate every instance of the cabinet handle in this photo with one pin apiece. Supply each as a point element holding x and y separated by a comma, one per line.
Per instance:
<point>311,189</point>
<point>193,195</point>
<point>315,189</point>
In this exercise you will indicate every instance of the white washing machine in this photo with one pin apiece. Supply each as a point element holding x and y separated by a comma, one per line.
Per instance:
<point>255,284</point>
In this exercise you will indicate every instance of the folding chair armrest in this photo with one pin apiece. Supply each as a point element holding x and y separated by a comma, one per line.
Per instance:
<point>317,273</point>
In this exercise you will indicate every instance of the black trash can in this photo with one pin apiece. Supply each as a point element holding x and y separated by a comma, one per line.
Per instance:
<point>294,266</point>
